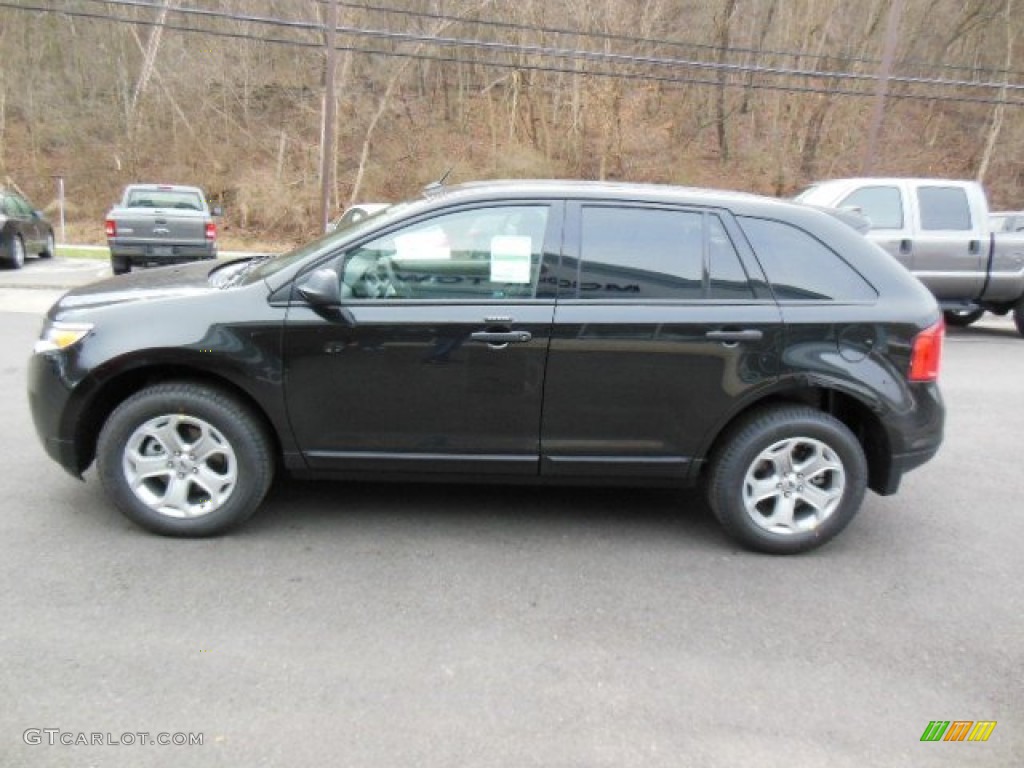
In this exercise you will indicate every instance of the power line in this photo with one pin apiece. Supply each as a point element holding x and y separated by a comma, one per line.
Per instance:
<point>568,53</point>
<point>522,66</point>
<point>660,42</point>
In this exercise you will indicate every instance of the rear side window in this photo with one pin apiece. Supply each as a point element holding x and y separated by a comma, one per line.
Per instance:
<point>801,267</point>
<point>654,253</point>
<point>641,253</point>
<point>944,209</point>
<point>883,206</point>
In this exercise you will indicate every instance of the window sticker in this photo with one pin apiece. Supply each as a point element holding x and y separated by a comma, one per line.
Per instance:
<point>510,259</point>
<point>425,245</point>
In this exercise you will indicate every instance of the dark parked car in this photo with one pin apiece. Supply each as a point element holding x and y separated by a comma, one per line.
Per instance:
<point>23,230</point>
<point>563,332</point>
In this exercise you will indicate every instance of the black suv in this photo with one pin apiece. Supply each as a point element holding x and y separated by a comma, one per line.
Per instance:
<point>511,331</point>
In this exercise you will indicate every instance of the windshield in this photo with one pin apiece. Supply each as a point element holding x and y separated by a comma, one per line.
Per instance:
<point>322,244</point>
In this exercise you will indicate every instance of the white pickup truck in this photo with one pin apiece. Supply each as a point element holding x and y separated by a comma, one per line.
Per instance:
<point>939,229</point>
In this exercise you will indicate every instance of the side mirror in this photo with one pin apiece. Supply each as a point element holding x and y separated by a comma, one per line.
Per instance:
<point>38,214</point>
<point>322,291</point>
<point>321,288</point>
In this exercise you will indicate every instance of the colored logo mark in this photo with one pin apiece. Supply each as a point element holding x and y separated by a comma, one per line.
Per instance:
<point>958,730</point>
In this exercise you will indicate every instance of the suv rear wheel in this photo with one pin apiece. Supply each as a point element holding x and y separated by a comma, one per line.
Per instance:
<point>787,479</point>
<point>182,459</point>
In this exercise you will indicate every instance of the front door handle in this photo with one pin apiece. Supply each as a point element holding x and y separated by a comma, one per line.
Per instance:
<point>906,246</point>
<point>502,337</point>
<point>749,334</point>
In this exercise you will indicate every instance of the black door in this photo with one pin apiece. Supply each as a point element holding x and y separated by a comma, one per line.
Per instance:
<point>437,363</point>
<point>659,335</point>
<point>30,226</point>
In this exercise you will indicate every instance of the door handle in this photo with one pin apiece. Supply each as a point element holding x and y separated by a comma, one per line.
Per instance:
<point>906,246</point>
<point>749,334</point>
<point>974,247</point>
<point>502,337</point>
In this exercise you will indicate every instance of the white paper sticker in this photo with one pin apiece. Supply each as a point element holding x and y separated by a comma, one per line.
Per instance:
<point>510,259</point>
<point>426,245</point>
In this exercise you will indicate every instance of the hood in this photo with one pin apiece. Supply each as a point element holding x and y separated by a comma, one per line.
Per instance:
<point>144,285</point>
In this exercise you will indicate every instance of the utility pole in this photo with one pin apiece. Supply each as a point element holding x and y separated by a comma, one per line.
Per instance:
<point>882,87</point>
<point>59,177</point>
<point>327,134</point>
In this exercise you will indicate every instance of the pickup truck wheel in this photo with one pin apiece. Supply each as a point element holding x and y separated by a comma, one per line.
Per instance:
<point>1018,316</point>
<point>119,265</point>
<point>182,459</point>
<point>961,318</point>
<point>16,252</point>
<point>787,479</point>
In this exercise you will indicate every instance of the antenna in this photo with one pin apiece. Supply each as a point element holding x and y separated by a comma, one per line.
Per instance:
<point>436,186</point>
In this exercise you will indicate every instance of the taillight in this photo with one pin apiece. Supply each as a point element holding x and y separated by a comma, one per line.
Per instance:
<point>211,231</point>
<point>926,354</point>
<point>111,228</point>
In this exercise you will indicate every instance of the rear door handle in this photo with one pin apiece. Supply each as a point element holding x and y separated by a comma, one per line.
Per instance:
<point>906,246</point>
<point>502,337</point>
<point>749,334</point>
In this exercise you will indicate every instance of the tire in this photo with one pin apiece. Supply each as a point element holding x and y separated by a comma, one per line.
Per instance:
<point>49,249</point>
<point>1018,316</point>
<point>120,265</point>
<point>961,318</point>
<point>769,448</point>
<point>184,459</point>
<point>16,252</point>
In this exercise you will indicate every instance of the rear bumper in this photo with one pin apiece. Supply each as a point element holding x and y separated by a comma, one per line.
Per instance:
<point>149,255</point>
<point>900,465</point>
<point>915,436</point>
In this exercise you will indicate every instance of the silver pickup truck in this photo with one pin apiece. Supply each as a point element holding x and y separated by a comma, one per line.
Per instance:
<point>158,224</point>
<point>939,229</point>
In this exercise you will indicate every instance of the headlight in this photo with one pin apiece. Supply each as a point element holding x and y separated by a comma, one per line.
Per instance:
<point>60,335</point>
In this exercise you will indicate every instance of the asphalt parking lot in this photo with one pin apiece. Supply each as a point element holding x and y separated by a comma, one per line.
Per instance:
<point>367,625</point>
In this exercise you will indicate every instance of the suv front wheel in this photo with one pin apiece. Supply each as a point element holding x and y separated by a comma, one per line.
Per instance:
<point>183,459</point>
<point>787,479</point>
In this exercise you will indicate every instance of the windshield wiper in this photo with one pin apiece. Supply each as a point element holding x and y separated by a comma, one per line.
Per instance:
<point>248,267</point>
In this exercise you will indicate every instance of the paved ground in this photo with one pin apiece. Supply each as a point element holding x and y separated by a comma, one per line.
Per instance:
<point>363,625</point>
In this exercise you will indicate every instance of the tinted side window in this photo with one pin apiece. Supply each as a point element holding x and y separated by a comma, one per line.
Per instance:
<point>641,253</point>
<point>800,266</point>
<point>944,208</point>
<point>882,205</point>
<point>484,253</point>
<point>728,278</point>
<point>11,206</point>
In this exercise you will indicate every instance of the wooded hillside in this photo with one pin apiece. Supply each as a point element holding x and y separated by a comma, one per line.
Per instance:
<point>761,95</point>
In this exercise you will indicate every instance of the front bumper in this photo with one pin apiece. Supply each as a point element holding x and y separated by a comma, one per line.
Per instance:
<point>50,402</point>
